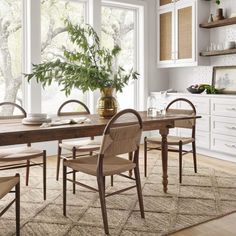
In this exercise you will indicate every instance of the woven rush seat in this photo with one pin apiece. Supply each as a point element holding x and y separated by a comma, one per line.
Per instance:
<point>7,183</point>
<point>19,153</point>
<point>171,140</point>
<point>81,145</point>
<point>111,165</point>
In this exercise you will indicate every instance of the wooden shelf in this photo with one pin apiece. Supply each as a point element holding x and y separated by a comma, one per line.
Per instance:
<point>218,53</point>
<point>219,23</point>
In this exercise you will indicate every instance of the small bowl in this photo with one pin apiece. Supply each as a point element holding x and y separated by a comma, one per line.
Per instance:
<point>195,90</point>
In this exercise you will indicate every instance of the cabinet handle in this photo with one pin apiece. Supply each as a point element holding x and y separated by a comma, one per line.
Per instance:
<point>230,145</point>
<point>230,127</point>
<point>231,108</point>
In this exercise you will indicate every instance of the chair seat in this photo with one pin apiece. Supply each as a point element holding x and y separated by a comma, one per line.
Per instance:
<point>111,165</point>
<point>19,153</point>
<point>87,145</point>
<point>171,140</point>
<point>7,183</point>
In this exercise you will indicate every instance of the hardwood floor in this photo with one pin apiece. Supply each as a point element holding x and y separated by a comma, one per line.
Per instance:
<point>224,226</point>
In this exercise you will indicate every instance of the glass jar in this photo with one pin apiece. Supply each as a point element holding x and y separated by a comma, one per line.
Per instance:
<point>151,106</point>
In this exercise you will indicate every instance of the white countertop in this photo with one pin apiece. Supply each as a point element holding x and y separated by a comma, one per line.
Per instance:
<point>198,95</point>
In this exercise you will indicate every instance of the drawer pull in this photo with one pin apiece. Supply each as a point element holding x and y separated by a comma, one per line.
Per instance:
<point>230,127</point>
<point>230,145</point>
<point>231,109</point>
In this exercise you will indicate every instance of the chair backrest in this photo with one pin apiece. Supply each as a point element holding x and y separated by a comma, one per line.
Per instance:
<point>187,124</point>
<point>9,106</point>
<point>82,108</point>
<point>120,137</point>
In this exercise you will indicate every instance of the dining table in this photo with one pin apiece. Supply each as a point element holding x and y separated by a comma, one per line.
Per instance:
<point>14,132</point>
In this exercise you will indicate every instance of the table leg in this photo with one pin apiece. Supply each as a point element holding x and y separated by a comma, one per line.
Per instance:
<point>164,153</point>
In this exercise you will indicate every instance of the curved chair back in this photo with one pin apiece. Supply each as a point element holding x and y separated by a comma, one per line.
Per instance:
<point>11,106</point>
<point>80,104</point>
<point>187,124</point>
<point>121,138</point>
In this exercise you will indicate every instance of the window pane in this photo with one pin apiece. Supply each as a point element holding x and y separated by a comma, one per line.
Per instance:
<point>10,53</point>
<point>118,27</point>
<point>54,38</point>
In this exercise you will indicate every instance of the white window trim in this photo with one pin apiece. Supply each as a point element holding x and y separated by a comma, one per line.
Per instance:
<point>142,50</point>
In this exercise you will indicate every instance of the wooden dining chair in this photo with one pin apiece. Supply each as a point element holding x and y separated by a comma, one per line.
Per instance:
<point>6,186</point>
<point>117,139</point>
<point>21,156</point>
<point>80,147</point>
<point>154,143</point>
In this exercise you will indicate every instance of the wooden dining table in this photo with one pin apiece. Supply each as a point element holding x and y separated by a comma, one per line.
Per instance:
<point>14,132</point>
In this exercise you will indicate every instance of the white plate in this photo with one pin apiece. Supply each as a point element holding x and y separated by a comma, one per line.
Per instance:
<point>27,121</point>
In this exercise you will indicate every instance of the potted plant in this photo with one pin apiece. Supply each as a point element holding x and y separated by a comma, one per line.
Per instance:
<point>88,67</point>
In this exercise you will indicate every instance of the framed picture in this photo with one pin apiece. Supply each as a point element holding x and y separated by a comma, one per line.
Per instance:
<point>224,79</point>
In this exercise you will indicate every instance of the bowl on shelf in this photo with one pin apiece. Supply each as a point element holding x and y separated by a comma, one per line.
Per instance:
<point>196,90</point>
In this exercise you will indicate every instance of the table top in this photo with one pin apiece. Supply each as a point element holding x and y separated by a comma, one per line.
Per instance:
<point>14,132</point>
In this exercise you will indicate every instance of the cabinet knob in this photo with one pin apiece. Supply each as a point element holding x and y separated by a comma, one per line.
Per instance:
<point>230,145</point>
<point>231,108</point>
<point>230,127</point>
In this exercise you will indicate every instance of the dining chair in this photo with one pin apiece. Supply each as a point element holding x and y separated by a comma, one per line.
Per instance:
<point>80,147</point>
<point>154,143</point>
<point>21,156</point>
<point>6,186</point>
<point>117,139</point>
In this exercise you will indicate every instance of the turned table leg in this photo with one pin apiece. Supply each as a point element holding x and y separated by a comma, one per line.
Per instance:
<point>164,153</point>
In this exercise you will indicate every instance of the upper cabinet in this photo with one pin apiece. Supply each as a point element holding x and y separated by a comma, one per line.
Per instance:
<point>179,37</point>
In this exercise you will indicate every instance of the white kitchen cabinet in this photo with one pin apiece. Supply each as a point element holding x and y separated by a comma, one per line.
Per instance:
<point>179,37</point>
<point>216,129</point>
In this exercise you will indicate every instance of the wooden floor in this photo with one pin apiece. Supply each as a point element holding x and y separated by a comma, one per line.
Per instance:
<point>225,226</point>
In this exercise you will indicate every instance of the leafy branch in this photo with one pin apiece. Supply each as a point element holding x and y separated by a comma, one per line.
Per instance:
<point>89,67</point>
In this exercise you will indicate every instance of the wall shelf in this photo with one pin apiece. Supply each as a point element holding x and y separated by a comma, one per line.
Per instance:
<point>218,53</point>
<point>219,23</point>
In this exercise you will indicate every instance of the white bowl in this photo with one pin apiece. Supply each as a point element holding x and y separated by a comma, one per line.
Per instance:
<point>37,115</point>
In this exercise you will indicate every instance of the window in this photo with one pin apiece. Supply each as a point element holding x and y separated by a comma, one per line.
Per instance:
<point>10,53</point>
<point>53,39</point>
<point>120,26</point>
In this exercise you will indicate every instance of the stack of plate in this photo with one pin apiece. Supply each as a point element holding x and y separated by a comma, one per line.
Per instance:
<point>36,119</point>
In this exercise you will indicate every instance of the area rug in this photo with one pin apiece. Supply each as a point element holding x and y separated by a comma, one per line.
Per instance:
<point>201,197</point>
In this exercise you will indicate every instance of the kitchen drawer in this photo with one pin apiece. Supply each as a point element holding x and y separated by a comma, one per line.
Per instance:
<point>223,143</point>
<point>202,138</point>
<point>222,125</point>
<point>223,107</point>
<point>202,105</point>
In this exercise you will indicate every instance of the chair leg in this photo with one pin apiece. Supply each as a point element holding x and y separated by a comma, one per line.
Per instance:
<point>130,158</point>
<point>112,180</point>
<point>101,188</point>
<point>74,172</point>
<point>194,157</point>
<point>180,161</point>
<point>58,161</point>
<point>17,196</point>
<point>27,172</point>
<point>139,191</point>
<point>145,157</point>
<point>64,189</point>
<point>44,175</point>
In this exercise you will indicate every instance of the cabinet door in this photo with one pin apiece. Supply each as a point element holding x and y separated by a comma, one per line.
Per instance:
<point>162,3</point>
<point>166,36</point>
<point>185,31</point>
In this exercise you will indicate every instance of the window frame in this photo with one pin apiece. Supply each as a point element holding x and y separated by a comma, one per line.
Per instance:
<point>31,18</point>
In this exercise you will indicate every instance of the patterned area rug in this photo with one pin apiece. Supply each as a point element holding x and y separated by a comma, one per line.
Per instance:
<point>201,197</point>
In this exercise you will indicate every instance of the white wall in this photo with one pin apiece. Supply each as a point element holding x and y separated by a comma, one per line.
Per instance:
<point>157,78</point>
<point>181,78</point>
